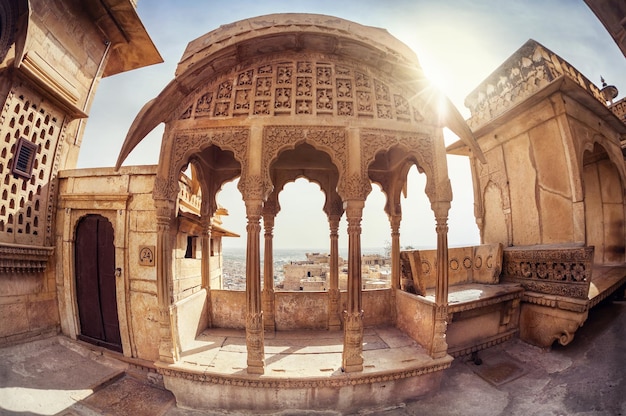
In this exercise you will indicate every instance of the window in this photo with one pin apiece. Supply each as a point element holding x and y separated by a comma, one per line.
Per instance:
<point>190,253</point>
<point>24,158</point>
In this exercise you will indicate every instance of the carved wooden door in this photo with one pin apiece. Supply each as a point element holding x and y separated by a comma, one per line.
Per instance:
<point>95,283</point>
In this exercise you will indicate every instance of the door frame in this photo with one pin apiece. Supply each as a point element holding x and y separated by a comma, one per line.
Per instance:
<point>74,207</point>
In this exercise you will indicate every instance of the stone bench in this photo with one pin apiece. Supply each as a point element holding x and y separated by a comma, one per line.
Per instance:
<point>481,311</point>
<point>560,285</point>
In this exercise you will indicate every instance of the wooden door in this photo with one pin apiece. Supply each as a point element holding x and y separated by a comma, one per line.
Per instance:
<point>95,282</point>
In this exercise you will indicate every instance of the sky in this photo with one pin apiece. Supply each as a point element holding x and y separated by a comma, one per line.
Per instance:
<point>458,43</point>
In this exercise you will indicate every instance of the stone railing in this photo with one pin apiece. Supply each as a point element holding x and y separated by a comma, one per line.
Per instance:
<point>553,270</point>
<point>187,198</point>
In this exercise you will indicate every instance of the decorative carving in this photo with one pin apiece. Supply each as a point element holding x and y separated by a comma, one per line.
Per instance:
<point>187,142</point>
<point>255,342</point>
<point>251,186</point>
<point>421,147</point>
<point>315,87</point>
<point>28,203</point>
<point>289,383</point>
<point>353,341</point>
<point>203,105</point>
<point>24,259</point>
<point>529,69</point>
<point>564,271</point>
<point>276,139</point>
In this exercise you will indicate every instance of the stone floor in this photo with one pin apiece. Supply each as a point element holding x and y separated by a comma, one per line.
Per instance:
<point>302,354</point>
<point>57,376</point>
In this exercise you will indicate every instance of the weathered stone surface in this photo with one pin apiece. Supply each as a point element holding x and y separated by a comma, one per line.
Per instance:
<point>522,179</point>
<point>14,319</point>
<point>145,324</point>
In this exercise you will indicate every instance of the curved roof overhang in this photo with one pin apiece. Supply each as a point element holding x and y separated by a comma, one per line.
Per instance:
<point>239,42</point>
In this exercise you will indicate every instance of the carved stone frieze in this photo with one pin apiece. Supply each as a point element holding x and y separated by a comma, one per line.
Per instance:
<point>563,271</point>
<point>24,259</point>
<point>287,383</point>
<point>528,70</point>
<point>308,84</point>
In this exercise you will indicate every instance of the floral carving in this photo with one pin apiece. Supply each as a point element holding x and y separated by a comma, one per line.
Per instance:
<point>203,105</point>
<point>302,87</point>
<point>560,271</point>
<point>263,87</point>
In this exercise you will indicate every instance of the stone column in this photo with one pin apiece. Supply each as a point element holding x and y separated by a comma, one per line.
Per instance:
<point>394,221</point>
<point>334,321</point>
<point>353,315</point>
<point>254,314</point>
<point>440,347</point>
<point>168,352</point>
<point>268,271</point>
<point>205,267</point>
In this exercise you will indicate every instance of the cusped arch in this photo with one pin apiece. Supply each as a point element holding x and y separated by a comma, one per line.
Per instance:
<point>181,146</point>
<point>418,146</point>
<point>330,140</point>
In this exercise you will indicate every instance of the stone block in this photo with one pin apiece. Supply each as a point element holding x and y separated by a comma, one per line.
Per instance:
<point>100,185</point>
<point>143,220</point>
<point>141,202</point>
<point>43,314</point>
<point>522,179</point>
<point>191,318</point>
<point>557,224</point>
<point>378,305</point>
<point>227,310</point>
<point>301,310</point>
<point>14,318</point>
<point>145,324</point>
<point>141,184</point>
<point>549,158</point>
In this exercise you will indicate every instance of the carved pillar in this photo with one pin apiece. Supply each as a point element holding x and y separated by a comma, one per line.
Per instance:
<point>353,316</point>
<point>254,314</point>
<point>268,270</point>
<point>394,221</point>
<point>440,347</point>
<point>167,347</point>
<point>334,321</point>
<point>205,267</point>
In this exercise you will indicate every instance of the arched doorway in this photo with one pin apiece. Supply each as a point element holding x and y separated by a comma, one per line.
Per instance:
<point>604,209</point>
<point>94,255</point>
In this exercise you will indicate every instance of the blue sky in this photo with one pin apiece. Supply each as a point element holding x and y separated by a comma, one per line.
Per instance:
<point>458,42</point>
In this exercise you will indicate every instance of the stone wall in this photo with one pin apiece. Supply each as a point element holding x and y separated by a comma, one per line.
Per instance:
<point>125,198</point>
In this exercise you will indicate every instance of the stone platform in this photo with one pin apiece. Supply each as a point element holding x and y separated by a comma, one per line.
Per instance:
<point>302,371</point>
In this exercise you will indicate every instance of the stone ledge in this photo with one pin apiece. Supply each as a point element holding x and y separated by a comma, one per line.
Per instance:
<point>16,258</point>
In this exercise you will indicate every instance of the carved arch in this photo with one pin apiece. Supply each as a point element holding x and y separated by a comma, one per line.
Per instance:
<point>615,157</point>
<point>418,146</point>
<point>277,139</point>
<point>185,144</point>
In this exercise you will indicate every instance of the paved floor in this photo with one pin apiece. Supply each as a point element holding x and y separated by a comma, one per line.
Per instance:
<point>588,377</point>
<point>303,354</point>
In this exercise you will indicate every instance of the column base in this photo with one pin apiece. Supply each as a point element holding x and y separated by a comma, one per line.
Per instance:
<point>352,359</point>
